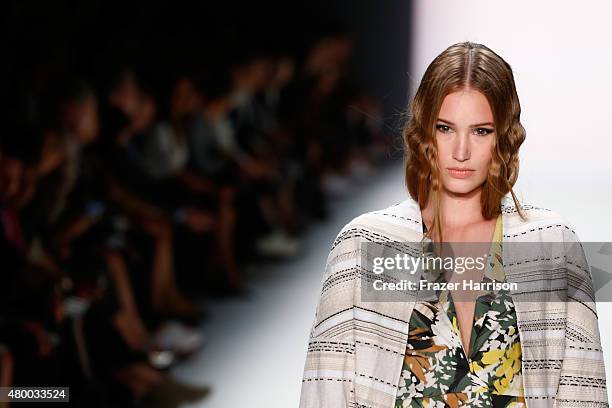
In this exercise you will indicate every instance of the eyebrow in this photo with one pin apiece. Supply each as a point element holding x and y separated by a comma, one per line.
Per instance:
<point>476,125</point>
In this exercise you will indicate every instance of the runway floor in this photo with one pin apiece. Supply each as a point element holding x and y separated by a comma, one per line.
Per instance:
<point>256,347</point>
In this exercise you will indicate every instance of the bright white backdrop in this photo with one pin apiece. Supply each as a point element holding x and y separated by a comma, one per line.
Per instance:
<point>561,55</point>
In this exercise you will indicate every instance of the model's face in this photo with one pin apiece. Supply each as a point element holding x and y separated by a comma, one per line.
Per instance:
<point>464,134</point>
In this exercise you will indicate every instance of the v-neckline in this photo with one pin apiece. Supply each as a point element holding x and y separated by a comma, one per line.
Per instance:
<point>448,305</point>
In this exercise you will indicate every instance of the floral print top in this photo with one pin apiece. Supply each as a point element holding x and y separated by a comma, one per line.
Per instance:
<point>437,372</point>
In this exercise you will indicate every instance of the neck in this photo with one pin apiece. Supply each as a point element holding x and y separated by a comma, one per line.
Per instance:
<point>456,210</point>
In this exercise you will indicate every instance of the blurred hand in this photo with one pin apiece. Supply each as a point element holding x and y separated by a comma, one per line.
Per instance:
<point>227,194</point>
<point>45,347</point>
<point>199,184</point>
<point>198,220</point>
<point>257,169</point>
<point>157,227</point>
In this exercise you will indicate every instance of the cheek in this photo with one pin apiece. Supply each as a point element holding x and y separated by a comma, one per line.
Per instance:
<point>484,160</point>
<point>444,150</point>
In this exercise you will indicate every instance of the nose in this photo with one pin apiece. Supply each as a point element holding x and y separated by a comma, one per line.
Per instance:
<point>461,148</point>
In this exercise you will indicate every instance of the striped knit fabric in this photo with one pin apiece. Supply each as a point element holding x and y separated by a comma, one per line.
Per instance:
<point>356,347</point>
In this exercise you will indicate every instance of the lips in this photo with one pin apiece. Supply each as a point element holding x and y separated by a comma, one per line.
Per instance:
<point>457,172</point>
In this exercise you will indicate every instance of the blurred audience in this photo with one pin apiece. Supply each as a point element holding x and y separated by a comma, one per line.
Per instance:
<point>124,207</point>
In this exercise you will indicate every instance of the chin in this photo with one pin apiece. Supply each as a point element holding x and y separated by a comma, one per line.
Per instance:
<point>460,187</point>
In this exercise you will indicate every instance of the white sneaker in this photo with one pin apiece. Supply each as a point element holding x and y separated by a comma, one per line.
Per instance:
<point>278,244</point>
<point>336,186</point>
<point>177,337</point>
<point>161,359</point>
<point>361,171</point>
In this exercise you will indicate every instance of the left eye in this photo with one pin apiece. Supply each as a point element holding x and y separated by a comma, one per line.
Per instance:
<point>483,131</point>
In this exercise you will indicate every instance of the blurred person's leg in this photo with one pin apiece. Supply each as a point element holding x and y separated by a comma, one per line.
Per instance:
<point>279,243</point>
<point>111,356</point>
<point>285,176</point>
<point>288,206</point>
<point>35,359</point>
<point>194,254</point>
<point>250,223</point>
<point>165,296</point>
<point>226,238</point>
<point>129,379</point>
<point>127,319</point>
<point>6,370</point>
<point>219,208</point>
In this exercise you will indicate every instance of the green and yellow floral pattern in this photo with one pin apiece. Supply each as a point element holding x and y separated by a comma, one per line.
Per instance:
<point>436,370</point>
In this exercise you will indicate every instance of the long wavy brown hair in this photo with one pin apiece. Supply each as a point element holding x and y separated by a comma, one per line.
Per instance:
<point>464,65</point>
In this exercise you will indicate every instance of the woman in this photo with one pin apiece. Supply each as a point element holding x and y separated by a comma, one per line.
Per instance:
<point>536,344</point>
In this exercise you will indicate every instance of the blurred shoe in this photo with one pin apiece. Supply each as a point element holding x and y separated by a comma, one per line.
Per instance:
<point>161,359</point>
<point>361,171</point>
<point>337,186</point>
<point>172,394</point>
<point>178,338</point>
<point>251,270</point>
<point>229,290</point>
<point>237,289</point>
<point>75,306</point>
<point>278,245</point>
<point>180,308</point>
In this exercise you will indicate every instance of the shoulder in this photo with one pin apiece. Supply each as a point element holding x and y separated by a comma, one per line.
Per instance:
<point>541,223</point>
<point>399,221</point>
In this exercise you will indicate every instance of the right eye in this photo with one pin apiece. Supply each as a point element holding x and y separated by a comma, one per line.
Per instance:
<point>443,128</point>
